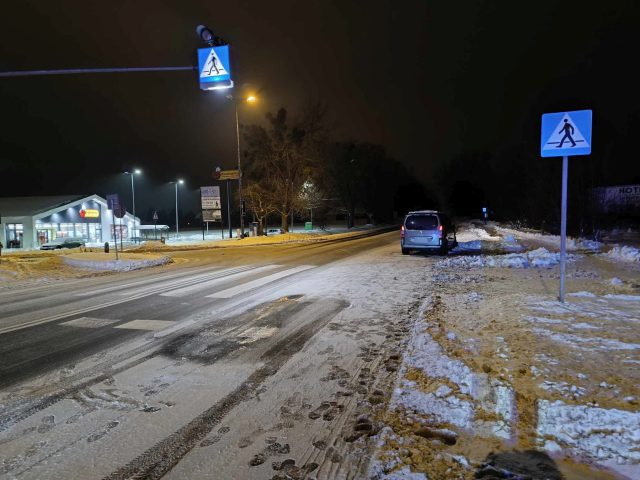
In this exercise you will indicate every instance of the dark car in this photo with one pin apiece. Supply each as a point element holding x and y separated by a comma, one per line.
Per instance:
<point>63,243</point>
<point>427,230</point>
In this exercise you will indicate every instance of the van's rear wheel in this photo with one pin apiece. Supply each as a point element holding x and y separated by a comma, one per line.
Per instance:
<point>405,251</point>
<point>444,248</point>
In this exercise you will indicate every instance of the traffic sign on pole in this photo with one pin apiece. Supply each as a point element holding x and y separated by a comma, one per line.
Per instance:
<point>214,68</point>
<point>565,134</point>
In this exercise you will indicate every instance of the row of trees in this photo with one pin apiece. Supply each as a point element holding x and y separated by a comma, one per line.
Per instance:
<point>517,185</point>
<point>291,165</point>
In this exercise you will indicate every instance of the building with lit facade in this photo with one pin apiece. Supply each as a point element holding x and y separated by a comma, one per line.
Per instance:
<point>28,222</point>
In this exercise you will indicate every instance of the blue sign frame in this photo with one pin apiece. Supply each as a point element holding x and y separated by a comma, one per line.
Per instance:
<point>566,134</point>
<point>214,68</point>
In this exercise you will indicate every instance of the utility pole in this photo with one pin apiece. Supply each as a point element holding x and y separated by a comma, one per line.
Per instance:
<point>239,173</point>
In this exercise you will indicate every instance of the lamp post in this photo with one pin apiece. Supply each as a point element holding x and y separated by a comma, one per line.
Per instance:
<point>176,183</point>
<point>136,171</point>
<point>248,99</point>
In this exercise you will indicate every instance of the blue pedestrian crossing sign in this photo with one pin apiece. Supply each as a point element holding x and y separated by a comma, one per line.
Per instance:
<point>214,68</point>
<point>566,134</point>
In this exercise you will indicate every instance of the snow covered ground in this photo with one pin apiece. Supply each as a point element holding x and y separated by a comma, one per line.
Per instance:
<point>496,364</point>
<point>441,365</point>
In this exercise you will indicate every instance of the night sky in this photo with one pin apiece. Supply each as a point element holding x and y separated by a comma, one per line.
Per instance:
<point>428,79</point>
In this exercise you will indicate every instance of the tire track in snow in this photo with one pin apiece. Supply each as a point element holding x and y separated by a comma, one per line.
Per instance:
<point>156,461</point>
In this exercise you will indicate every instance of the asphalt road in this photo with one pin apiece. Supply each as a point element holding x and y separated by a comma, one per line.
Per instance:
<point>45,328</point>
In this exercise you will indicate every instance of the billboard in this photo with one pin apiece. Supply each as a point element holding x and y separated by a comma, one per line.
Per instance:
<point>623,199</point>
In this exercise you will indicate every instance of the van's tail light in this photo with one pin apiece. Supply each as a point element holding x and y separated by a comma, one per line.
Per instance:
<point>440,231</point>
<point>402,231</point>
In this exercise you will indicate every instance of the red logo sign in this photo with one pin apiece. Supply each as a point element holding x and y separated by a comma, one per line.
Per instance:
<point>89,213</point>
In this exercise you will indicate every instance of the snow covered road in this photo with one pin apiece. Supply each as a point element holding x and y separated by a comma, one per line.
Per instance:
<point>330,361</point>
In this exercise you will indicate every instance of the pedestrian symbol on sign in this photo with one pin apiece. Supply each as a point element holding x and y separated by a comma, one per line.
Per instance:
<point>213,66</point>
<point>566,135</point>
<point>568,130</point>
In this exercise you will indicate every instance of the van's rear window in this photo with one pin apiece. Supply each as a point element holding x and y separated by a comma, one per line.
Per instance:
<point>421,222</point>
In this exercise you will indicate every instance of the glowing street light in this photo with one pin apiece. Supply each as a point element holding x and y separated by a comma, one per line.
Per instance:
<point>248,99</point>
<point>176,183</point>
<point>136,171</point>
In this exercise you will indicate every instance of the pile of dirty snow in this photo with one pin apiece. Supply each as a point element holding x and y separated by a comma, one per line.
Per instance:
<point>130,262</point>
<point>551,240</point>
<point>624,254</point>
<point>541,258</point>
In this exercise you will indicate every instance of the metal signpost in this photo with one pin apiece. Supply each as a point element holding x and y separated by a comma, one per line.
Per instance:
<point>565,134</point>
<point>119,212</point>
<point>155,225</point>
<point>211,206</point>
<point>227,175</point>
<point>113,204</point>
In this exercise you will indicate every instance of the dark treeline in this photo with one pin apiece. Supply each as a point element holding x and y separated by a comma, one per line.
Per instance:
<point>522,188</point>
<point>292,166</point>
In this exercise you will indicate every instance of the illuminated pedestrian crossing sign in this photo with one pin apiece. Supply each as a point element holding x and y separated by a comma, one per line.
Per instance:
<point>566,134</point>
<point>214,68</point>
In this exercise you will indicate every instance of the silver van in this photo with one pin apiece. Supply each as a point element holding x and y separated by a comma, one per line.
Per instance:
<point>427,230</point>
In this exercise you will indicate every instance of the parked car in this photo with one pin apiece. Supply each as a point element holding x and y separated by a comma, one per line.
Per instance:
<point>69,242</point>
<point>427,230</point>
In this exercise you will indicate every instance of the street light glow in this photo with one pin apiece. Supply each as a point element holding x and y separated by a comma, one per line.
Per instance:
<point>137,171</point>
<point>180,182</point>
<point>252,99</point>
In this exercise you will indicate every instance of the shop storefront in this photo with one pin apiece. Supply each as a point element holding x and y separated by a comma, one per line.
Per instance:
<point>14,233</point>
<point>82,221</point>
<point>28,222</point>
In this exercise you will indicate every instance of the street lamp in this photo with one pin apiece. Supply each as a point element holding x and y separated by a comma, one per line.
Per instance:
<point>176,183</point>
<point>249,99</point>
<point>136,171</point>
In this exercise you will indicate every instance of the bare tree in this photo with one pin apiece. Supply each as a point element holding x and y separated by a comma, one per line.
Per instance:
<point>283,155</point>
<point>260,201</point>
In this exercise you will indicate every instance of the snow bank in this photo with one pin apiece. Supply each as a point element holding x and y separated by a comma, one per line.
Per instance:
<point>603,434</point>
<point>474,239</point>
<point>540,257</point>
<point>552,240</point>
<point>121,265</point>
<point>457,406</point>
<point>469,234</point>
<point>623,254</point>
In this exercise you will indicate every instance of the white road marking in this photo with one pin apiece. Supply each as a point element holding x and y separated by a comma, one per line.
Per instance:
<point>88,322</point>
<point>157,280</point>
<point>146,325</point>
<point>79,311</point>
<point>181,292</point>
<point>233,291</point>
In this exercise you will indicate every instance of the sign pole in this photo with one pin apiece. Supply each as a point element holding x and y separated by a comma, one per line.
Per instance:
<point>565,134</point>
<point>563,226</point>
<point>229,210</point>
